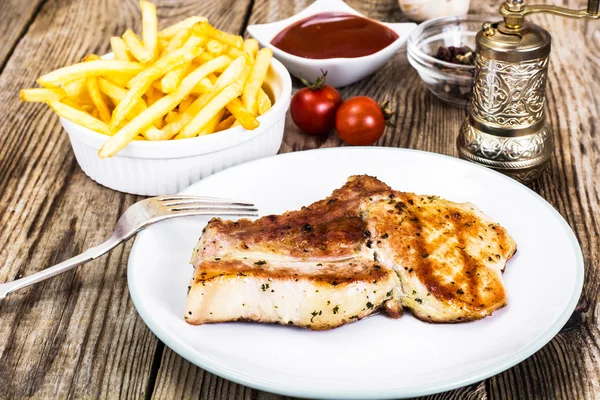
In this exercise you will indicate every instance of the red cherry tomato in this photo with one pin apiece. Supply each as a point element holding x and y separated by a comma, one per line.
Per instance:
<point>313,108</point>
<point>360,121</point>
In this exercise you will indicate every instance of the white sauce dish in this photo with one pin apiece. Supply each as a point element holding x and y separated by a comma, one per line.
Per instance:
<point>340,71</point>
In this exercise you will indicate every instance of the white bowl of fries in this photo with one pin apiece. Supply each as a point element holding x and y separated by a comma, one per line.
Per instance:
<point>161,113</point>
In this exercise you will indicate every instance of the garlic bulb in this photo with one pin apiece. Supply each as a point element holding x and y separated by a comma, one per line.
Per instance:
<point>421,10</point>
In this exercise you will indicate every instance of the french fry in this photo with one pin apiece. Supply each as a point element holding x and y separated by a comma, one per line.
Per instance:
<point>149,28</point>
<point>43,94</point>
<point>119,79</point>
<point>187,23</point>
<point>256,78</point>
<point>171,80</point>
<point>144,80</point>
<point>229,76</point>
<point>231,73</point>
<point>210,110</point>
<point>174,127</point>
<point>152,95</point>
<point>159,109</point>
<point>157,85</point>
<point>79,117</point>
<point>249,62</point>
<point>203,86</point>
<point>225,124</point>
<point>251,47</point>
<point>212,124</point>
<point>171,116</point>
<point>185,103</point>
<point>203,58</point>
<point>77,91</point>
<point>214,47</point>
<point>215,85</point>
<point>241,114</point>
<point>71,103</point>
<point>204,28</point>
<point>158,123</point>
<point>177,41</point>
<point>101,108</point>
<point>212,78</point>
<point>263,102</point>
<point>73,72</point>
<point>116,94</point>
<point>87,108</point>
<point>234,52</point>
<point>98,100</point>
<point>152,133</point>
<point>187,80</point>
<point>91,57</point>
<point>162,45</point>
<point>192,47</point>
<point>119,49</point>
<point>136,47</point>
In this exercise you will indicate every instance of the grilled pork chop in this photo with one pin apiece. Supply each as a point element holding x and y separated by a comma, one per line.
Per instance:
<point>449,256</point>
<point>364,248</point>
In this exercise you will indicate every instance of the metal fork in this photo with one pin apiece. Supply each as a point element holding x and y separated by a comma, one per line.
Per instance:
<point>137,217</point>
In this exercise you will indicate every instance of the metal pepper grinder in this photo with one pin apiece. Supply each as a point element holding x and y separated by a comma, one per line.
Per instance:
<point>506,127</point>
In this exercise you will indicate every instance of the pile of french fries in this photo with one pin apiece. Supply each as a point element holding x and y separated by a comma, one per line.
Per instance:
<point>187,80</point>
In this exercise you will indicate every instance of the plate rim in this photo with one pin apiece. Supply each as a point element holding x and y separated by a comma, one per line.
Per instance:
<point>216,368</point>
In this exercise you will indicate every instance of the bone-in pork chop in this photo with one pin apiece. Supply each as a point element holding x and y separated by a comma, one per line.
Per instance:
<point>364,248</point>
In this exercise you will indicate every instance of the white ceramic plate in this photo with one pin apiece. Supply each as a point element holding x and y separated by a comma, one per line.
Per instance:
<point>377,357</point>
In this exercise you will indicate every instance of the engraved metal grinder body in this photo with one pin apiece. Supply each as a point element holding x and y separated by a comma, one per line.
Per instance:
<point>506,128</point>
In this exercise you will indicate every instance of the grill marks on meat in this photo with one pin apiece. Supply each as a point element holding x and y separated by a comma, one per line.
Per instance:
<point>449,256</point>
<point>364,248</point>
<point>327,229</point>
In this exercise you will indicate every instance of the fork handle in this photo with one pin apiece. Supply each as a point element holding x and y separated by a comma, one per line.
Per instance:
<point>86,256</point>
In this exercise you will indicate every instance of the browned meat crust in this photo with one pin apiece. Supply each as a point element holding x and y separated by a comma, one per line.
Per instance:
<point>331,228</point>
<point>448,256</point>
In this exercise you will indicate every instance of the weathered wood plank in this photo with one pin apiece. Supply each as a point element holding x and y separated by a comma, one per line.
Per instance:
<point>76,335</point>
<point>567,367</point>
<point>16,18</point>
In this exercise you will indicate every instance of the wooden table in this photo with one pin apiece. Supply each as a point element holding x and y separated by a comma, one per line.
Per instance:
<point>79,336</point>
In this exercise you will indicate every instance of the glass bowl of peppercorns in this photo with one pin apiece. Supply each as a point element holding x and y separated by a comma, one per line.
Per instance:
<point>442,52</point>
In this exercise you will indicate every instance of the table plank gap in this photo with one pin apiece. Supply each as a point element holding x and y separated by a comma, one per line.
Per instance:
<point>18,17</point>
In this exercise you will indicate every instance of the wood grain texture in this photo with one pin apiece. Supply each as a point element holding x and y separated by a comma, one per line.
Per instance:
<point>568,367</point>
<point>16,18</point>
<point>78,334</point>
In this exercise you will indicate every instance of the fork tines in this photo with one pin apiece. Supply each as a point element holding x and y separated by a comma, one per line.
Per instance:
<point>169,201</point>
<point>200,205</point>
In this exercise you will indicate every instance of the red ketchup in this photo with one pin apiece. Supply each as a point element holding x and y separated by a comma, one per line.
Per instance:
<point>334,35</point>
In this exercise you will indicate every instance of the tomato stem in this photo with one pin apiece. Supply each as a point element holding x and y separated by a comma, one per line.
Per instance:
<point>318,84</point>
<point>387,113</point>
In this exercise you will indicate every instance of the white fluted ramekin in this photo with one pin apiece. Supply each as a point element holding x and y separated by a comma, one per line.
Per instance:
<point>166,167</point>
